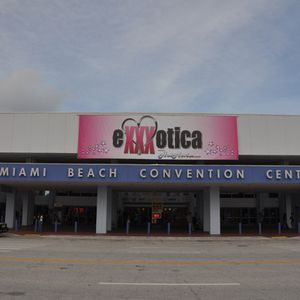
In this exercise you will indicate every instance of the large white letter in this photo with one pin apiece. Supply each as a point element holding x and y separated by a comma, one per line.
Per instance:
<point>113,173</point>
<point>70,172</point>
<point>3,171</point>
<point>154,173</point>
<point>269,174</point>
<point>142,173</point>
<point>35,172</point>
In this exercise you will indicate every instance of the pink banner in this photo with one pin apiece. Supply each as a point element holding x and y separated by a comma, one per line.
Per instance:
<point>158,137</point>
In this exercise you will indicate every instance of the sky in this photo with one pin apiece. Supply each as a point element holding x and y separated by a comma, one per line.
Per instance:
<point>208,56</point>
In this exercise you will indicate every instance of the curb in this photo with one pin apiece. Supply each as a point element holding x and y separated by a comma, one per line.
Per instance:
<point>154,238</point>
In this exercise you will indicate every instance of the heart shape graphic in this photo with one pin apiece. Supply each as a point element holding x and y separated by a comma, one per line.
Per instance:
<point>138,123</point>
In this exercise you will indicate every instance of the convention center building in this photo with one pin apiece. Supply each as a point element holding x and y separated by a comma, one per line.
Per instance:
<point>149,172</point>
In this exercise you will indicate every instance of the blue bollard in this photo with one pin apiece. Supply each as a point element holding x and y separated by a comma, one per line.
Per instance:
<point>127,227</point>
<point>279,228</point>
<point>148,228</point>
<point>190,228</point>
<point>55,226</point>
<point>35,225</point>
<point>259,229</point>
<point>298,227</point>
<point>169,228</point>
<point>240,228</point>
<point>76,227</point>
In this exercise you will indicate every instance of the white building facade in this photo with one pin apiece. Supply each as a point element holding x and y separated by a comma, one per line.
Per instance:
<point>103,170</point>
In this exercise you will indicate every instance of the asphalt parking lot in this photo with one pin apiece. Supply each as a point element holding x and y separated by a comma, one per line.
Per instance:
<point>52,267</point>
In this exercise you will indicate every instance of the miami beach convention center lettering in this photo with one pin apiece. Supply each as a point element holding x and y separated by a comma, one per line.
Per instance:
<point>121,173</point>
<point>21,172</point>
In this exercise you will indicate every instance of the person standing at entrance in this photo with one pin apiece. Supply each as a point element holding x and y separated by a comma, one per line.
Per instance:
<point>260,217</point>
<point>40,220</point>
<point>189,219</point>
<point>284,222</point>
<point>292,219</point>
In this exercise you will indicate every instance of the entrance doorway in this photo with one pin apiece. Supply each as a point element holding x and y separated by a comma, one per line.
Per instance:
<point>2,212</point>
<point>68,215</point>
<point>158,209</point>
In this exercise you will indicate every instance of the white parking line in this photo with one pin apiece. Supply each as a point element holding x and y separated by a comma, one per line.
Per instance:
<point>170,284</point>
<point>12,248</point>
<point>15,246</point>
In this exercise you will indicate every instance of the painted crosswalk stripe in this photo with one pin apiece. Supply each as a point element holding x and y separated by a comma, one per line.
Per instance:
<point>170,284</point>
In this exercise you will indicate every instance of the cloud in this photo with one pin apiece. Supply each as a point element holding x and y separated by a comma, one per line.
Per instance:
<point>172,55</point>
<point>24,91</point>
<point>198,55</point>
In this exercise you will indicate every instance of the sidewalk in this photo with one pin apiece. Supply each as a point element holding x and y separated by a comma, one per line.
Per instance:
<point>156,236</point>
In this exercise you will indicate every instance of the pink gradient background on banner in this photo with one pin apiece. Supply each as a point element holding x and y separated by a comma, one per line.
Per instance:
<point>219,137</point>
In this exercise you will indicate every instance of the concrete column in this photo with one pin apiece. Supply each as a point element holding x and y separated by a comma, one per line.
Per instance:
<point>214,212</point>
<point>31,208</point>
<point>27,203</point>
<point>260,199</point>
<point>109,209</point>
<point>199,208</point>
<point>288,209</point>
<point>296,209</point>
<point>10,209</point>
<point>25,207</point>
<point>281,206</point>
<point>193,203</point>
<point>206,209</point>
<point>285,209</point>
<point>120,203</point>
<point>51,198</point>
<point>114,210</point>
<point>101,217</point>
<point>2,201</point>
